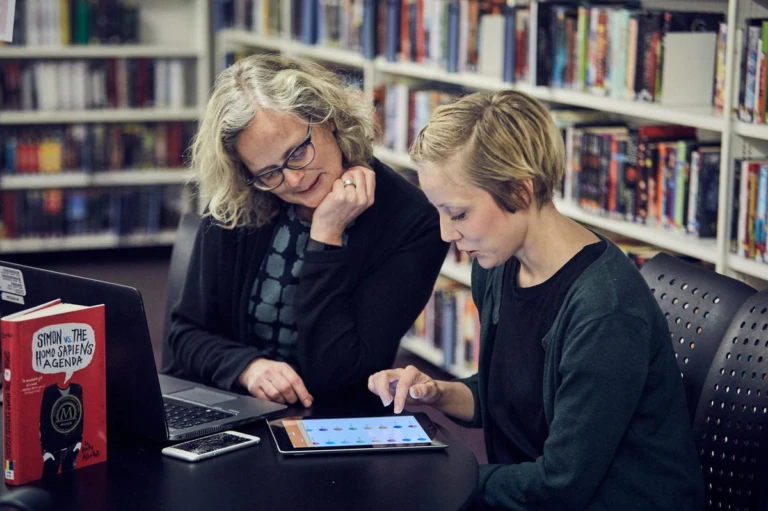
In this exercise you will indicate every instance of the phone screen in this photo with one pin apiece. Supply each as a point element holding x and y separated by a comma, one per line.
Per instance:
<point>372,431</point>
<point>211,443</point>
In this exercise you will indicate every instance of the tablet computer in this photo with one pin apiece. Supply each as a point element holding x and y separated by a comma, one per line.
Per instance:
<point>310,435</point>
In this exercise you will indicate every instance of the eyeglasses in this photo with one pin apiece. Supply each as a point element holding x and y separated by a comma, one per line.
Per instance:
<point>301,156</point>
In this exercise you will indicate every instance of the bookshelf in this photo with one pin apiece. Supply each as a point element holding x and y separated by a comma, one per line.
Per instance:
<point>167,42</point>
<point>737,139</point>
<point>113,115</point>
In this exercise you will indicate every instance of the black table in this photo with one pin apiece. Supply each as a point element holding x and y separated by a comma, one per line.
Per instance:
<point>138,477</point>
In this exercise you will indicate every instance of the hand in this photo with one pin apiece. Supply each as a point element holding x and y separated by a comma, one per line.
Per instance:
<point>275,381</point>
<point>408,385</point>
<point>342,205</point>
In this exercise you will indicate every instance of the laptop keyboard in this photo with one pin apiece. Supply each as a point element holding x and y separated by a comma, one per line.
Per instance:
<point>187,415</point>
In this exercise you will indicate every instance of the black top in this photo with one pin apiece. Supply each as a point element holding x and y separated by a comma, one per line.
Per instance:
<point>516,371</point>
<point>352,306</point>
<point>272,307</point>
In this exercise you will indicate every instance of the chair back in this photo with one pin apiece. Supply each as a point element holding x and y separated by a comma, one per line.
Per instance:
<point>731,423</point>
<point>182,250</point>
<point>698,304</point>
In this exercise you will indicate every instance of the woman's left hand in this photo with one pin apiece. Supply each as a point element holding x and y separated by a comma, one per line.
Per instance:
<point>345,203</point>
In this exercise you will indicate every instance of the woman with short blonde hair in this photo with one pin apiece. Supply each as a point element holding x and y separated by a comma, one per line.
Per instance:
<point>313,258</point>
<point>578,391</point>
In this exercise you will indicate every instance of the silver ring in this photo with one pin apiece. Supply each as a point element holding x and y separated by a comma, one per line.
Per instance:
<point>348,182</point>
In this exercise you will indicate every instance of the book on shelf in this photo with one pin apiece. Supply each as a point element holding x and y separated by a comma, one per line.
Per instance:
<point>54,390</point>
<point>93,147</point>
<point>67,85</point>
<point>450,323</point>
<point>7,12</point>
<point>750,210</point>
<point>52,213</point>
<point>68,22</point>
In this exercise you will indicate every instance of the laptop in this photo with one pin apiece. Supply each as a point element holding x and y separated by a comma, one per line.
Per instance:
<point>140,400</point>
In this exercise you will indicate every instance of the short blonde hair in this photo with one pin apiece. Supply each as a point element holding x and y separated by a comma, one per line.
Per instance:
<point>503,137</point>
<point>281,84</point>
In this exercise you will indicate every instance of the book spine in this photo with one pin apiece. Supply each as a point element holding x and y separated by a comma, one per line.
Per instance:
<point>10,447</point>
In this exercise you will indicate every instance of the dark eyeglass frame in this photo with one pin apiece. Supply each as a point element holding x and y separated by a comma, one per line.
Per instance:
<point>252,181</point>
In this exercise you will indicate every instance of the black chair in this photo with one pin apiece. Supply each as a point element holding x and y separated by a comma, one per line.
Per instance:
<point>182,250</point>
<point>26,499</point>
<point>698,304</point>
<point>731,423</point>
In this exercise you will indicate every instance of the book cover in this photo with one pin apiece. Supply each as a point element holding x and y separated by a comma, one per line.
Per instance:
<point>54,390</point>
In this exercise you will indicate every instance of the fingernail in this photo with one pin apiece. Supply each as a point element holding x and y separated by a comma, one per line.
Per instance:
<point>414,393</point>
<point>307,403</point>
<point>386,401</point>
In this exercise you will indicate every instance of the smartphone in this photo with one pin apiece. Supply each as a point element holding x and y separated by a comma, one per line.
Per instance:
<point>210,446</point>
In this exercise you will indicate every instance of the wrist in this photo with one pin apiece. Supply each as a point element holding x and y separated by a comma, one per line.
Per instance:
<point>243,378</point>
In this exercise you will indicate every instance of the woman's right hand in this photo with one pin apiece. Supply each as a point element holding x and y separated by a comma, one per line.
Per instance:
<point>275,381</point>
<point>404,386</point>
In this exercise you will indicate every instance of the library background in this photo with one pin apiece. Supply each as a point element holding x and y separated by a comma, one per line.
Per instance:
<point>662,106</point>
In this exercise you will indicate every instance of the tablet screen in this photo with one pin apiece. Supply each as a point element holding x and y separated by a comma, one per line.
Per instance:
<point>298,434</point>
<point>321,433</point>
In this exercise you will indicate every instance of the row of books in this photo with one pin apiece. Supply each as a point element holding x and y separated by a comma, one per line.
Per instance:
<point>753,41</point>
<point>621,53</point>
<point>65,22</point>
<point>450,322</point>
<point>610,51</point>
<point>70,212</point>
<point>104,83</point>
<point>262,17</point>
<point>402,112</point>
<point>93,147</point>
<point>750,194</point>
<point>656,175</point>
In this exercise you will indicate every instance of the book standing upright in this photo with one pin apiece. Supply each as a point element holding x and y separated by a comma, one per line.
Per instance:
<point>54,390</point>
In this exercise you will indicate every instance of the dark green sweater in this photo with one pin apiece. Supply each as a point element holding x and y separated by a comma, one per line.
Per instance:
<point>619,433</point>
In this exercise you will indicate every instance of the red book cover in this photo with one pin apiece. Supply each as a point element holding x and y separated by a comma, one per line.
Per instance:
<point>54,379</point>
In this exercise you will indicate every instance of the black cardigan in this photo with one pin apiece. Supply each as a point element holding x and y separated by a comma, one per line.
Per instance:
<point>352,307</point>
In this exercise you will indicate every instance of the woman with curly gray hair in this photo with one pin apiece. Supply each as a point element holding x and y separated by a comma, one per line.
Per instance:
<point>313,258</point>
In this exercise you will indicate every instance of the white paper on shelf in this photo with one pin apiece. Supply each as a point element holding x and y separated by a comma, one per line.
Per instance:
<point>7,9</point>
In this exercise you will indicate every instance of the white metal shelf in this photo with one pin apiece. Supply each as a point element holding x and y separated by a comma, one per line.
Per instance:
<point>434,73</point>
<point>419,347</point>
<point>101,115</point>
<point>348,58</point>
<point>748,267</point>
<point>391,157</point>
<point>703,117</point>
<point>756,131</point>
<point>86,242</point>
<point>700,248</point>
<point>96,51</point>
<point>460,272</point>
<point>233,37</point>
<point>84,179</point>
